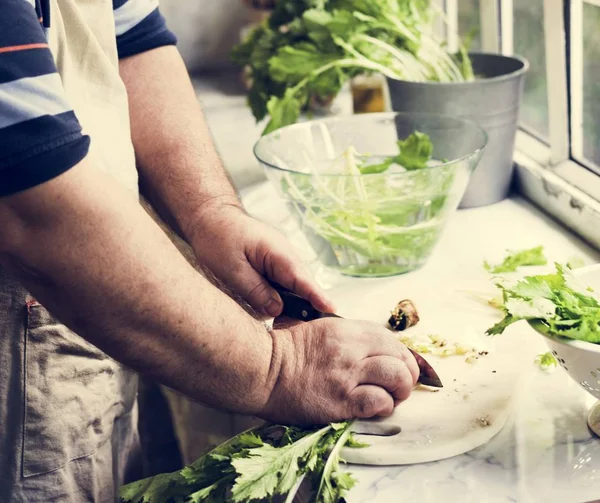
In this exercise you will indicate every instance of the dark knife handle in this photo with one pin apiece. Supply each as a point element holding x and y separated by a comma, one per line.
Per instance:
<point>295,306</point>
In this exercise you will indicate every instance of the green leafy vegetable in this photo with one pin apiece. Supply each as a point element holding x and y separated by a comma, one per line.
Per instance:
<point>415,153</point>
<point>255,465</point>
<point>557,302</point>
<point>546,360</point>
<point>516,259</point>
<point>333,485</point>
<point>385,223</point>
<point>269,470</point>
<point>311,48</point>
<point>158,489</point>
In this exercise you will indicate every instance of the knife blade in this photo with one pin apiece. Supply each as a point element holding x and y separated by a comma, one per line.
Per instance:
<point>297,308</point>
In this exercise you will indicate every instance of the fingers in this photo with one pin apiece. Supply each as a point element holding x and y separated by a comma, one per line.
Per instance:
<point>253,287</point>
<point>383,343</point>
<point>283,267</point>
<point>391,374</point>
<point>369,401</point>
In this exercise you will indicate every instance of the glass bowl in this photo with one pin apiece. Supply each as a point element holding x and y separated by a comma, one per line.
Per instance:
<point>378,224</point>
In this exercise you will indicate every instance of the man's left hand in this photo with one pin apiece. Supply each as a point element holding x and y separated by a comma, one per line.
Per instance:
<point>245,253</point>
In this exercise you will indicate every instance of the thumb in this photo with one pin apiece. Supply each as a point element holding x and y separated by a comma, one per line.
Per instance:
<point>255,289</point>
<point>281,265</point>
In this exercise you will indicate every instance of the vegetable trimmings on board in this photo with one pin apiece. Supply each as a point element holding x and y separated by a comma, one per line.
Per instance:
<point>438,346</point>
<point>403,316</point>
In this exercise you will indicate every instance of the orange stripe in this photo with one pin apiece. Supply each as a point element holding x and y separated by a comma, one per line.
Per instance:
<point>24,47</point>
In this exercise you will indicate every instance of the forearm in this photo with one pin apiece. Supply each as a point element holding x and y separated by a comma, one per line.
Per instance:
<point>180,170</point>
<point>87,251</point>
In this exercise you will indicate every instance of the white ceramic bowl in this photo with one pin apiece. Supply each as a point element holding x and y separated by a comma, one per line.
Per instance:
<point>580,359</point>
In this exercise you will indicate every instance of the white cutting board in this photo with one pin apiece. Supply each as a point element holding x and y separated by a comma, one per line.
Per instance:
<point>477,398</point>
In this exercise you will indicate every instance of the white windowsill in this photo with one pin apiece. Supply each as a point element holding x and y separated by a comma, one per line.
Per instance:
<point>568,191</point>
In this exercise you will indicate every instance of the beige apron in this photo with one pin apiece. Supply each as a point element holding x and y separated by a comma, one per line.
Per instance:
<point>68,415</point>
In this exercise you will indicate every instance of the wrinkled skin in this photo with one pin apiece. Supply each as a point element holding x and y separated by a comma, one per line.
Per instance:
<point>333,369</point>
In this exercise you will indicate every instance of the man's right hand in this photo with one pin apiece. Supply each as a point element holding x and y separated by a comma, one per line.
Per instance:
<point>333,369</point>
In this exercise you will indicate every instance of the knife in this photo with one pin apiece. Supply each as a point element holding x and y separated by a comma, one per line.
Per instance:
<point>297,308</point>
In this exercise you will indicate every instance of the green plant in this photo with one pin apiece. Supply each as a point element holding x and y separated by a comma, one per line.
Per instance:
<point>309,48</point>
<point>257,465</point>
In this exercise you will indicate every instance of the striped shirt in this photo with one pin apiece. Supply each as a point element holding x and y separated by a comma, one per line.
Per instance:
<point>40,136</point>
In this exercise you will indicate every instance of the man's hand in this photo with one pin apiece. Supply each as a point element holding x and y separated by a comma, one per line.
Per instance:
<point>245,253</point>
<point>333,369</point>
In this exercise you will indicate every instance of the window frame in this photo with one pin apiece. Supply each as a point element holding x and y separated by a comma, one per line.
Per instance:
<point>555,177</point>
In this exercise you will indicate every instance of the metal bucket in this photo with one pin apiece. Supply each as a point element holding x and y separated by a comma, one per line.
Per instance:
<point>493,101</point>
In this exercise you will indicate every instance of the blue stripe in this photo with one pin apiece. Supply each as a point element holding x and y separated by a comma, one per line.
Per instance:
<point>19,25</point>
<point>44,164</point>
<point>118,3</point>
<point>21,140</point>
<point>23,64</point>
<point>29,98</point>
<point>151,33</point>
<point>131,13</point>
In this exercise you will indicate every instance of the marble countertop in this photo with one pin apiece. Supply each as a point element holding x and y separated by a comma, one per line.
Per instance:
<point>545,453</point>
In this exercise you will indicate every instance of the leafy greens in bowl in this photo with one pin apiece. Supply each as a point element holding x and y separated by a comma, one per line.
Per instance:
<point>373,192</point>
<point>564,307</point>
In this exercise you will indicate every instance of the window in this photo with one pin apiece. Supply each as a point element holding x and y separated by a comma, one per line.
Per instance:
<point>528,41</point>
<point>525,37</point>
<point>469,24</point>
<point>558,143</point>
<point>586,66</point>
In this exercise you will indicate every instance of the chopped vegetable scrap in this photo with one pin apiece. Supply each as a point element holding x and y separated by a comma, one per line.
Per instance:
<point>516,259</point>
<point>403,316</point>
<point>557,303</point>
<point>438,346</point>
<point>546,361</point>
